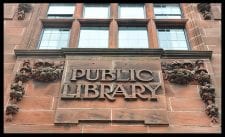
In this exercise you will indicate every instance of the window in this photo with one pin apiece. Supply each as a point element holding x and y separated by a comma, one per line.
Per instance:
<point>61,10</point>
<point>171,11</point>
<point>133,37</point>
<point>93,37</point>
<point>54,38</point>
<point>131,11</point>
<point>96,11</point>
<point>172,39</point>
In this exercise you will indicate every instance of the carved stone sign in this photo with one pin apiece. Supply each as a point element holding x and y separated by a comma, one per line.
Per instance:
<point>112,89</point>
<point>95,90</point>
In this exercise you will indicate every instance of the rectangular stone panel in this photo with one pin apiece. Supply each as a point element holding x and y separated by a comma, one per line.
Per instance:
<point>112,89</point>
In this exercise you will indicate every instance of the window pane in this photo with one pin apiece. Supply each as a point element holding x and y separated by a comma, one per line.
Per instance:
<point>54,38</point>
<point>96,11</point>
<point>172,39</point>
<point>63,43</point>
<point>164,44</point>
<point>61,10</point>
<point>93,37</point>
<point>164,11</point>
<point>45,36</point>
<point>133,37</point>
<point>131,11</point>
<point>64,37</point>
<point>43,44</point>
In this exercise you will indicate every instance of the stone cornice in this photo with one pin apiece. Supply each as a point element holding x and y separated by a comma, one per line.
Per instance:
<point>170,22</point>
<point>133,52</point>
<point>40,52</point>
<point>186,54</point>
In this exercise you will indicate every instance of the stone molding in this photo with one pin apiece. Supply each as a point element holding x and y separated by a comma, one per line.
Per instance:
<point>134,52</point>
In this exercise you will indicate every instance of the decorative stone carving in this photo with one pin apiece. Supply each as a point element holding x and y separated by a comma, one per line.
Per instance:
<point>180,76</point>
<point>26,67</point>
<point>205,10</point>
<point>25,72</point>
<point>22,76</point>
<point>42,71</point>
<point>207,93</point>
<point>178,72</point>
<point>188,65</point>
<point>198,64</point>
<point>47,71</point>
<point>11,110</point>
<point>212,112</point>
<point>184,72</point>
<point>202,76</point>
<point>187,71</point>
<point>17,91</point>
<point>41,64</point>
<point>22,9</point>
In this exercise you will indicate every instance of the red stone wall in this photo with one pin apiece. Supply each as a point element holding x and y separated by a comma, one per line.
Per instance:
<point>184,105</point>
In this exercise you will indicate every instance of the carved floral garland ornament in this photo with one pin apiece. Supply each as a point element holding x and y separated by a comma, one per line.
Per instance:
<point>205,10</point>
<point>43,71</point>
<point>22,9</point>
<point>185,72</point>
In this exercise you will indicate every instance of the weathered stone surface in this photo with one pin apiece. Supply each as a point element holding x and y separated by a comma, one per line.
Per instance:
<point>128,63</point>
<point>18,31</point>
<point>76,115</point>
<point>42,128</point>
<point>184,129</point>
<point>9,58</point>
<point>33,117</point>
<point>36,103</point>
<point>9,10</point>
<point>115,129</point>
<point>174,90</point>
<point>9,49</point>
<point>40,89</point>
<point>150,117</point>
<point>187,104</point>
<point>191,118</point>
<point>118,103</point>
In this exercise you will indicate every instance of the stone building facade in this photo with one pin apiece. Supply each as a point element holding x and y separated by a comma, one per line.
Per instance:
<point>112,90</point>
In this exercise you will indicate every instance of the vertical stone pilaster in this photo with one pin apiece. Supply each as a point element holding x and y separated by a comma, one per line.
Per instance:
<point>74,34</point>
<point>113,26</point>
<point>113,34</point>
<point>114,10</point>
<point>79,10</point>
<point>149,10</point>
<point>152,34</point>
<point>151,27</point>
